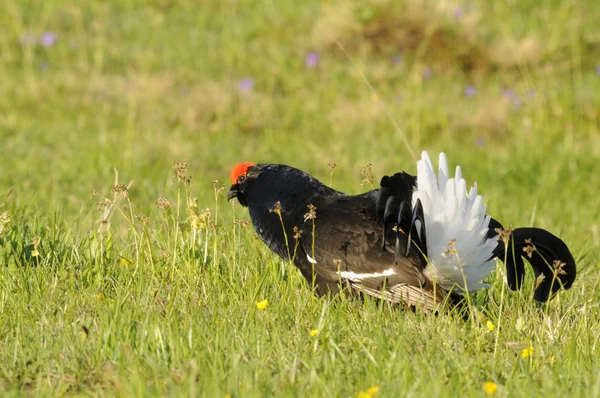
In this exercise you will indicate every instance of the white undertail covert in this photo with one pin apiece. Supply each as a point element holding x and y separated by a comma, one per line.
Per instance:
<point>456,226</point>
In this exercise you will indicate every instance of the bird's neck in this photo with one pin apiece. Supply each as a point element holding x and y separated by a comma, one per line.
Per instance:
<point>281,205</point>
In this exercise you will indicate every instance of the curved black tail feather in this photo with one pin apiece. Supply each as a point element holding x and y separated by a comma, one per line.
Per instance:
<point>552,262</point>
<point>399,219</point>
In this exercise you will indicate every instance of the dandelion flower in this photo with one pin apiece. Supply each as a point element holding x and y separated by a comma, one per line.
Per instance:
<point>490,326</point>
<point>262,305</point>
<point>126,261</point>
<point>34,253</point>
<point>314,332</point>
<point>527,352</point>
<point>490,387</point>
<point>370,393</point>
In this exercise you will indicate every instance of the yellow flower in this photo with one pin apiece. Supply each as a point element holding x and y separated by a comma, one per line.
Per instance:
<point>34,253</point>
<point>490,326</point>
<point>490,387</point>
<point>527,352</point>
<point>370,393</point>
<point>126,261</point>
<point>83,335</point>
<point>314,332</point>
<point>262,305</point>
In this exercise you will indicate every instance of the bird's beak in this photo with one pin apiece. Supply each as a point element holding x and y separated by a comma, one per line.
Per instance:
<point>232,193</point>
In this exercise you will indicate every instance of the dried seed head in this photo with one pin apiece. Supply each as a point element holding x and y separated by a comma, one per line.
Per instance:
<point>217,190</point>
<point>143,219</point>
<point>179,170</point>
<point>122,189</point>
<point>196,223</point>
<point>539,280</point>
<point>530,248</point>
<point>504,234</point>
<point>276,209</point>
<point>451,247</point>
<point>311,214</point>
<point>559,267</point>
<point>103,203</point>
<point>241,223</point>
<point>193,206</point>
<point>367,175</point>
<point>201,221</point>
<point>297,233</point>
<point>163,203</point>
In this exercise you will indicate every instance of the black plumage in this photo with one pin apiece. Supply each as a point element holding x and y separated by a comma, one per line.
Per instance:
<point>375,242</point>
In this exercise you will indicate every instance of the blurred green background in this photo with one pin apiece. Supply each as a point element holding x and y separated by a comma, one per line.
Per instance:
<point>509,89</point>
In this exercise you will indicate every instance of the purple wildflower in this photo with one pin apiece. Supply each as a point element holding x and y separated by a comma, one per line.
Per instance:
<point>470,91</point>
<point>509,93</point>
<point>514,99</point>
<point>427,73</point>
<point>396,59</point>
<point>459,13</point>
<point>480,141</point>
<point>246,85</point>
<point>312,59</point>
<point>49,39</point>
<point>598,69</point>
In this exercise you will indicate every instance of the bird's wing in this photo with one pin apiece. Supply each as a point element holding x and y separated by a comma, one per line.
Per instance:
<point>348,249</point>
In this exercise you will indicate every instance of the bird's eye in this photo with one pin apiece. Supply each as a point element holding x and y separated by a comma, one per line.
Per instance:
<point>241,179</point>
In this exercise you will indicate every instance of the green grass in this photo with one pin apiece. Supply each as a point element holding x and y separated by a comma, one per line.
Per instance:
<point>151,306</point>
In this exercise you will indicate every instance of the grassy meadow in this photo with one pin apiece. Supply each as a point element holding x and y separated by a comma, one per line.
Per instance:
<point>124,271</point>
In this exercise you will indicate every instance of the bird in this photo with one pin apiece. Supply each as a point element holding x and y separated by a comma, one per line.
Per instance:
<point>419,241</point>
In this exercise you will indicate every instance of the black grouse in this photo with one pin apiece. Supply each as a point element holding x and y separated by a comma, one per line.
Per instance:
<point>415,240</point>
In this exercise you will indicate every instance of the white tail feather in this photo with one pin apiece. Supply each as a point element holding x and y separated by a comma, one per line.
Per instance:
<point>456,227</point>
